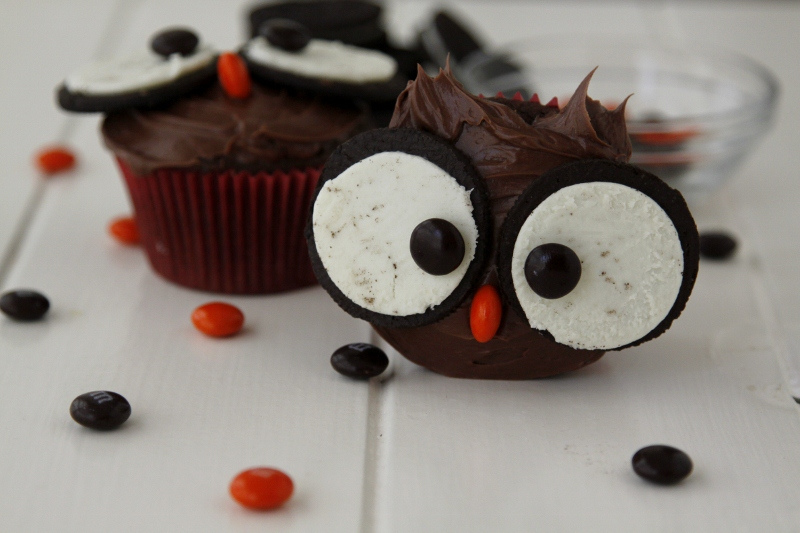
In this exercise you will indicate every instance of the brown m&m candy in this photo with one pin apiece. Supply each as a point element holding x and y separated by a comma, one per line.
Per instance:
<point>285,34</point>
<point>174,41</point>
<point>662,464</point>
<point>359,360</point>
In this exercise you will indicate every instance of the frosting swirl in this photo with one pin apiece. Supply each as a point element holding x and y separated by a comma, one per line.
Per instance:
<point>507,150</point>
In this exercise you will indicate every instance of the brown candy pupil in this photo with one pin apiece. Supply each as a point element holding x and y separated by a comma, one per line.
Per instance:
<point>175,41</point>
<point>285,34</point>
<point>437,246</point>
<point>552,270</point>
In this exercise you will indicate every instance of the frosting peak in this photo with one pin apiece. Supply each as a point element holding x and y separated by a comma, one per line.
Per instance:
<point>582,129</point>
<point>508,150</point>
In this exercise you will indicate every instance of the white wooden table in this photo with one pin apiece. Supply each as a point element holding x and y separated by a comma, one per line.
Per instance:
<point>414,453</point>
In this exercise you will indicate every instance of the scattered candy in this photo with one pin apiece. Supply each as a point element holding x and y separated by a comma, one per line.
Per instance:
<point>233,75</point>
<point>717,245</point>
<point>174,41</point>
<point>100,410</point>
<point>218,319</point>
<point>485,313</point>
<point>437,246</point>
<point>359,360</point>
<point>261,488</point>
<point>55,159</point>
<point>552,270</point>
<point>23,304</point>
<point>662,464</point>
<point>124,230</point>
<point>659,137</point>
<point>285,34</point>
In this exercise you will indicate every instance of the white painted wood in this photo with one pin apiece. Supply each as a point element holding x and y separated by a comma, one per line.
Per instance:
<point>418,452</point>
<point>37,43</point>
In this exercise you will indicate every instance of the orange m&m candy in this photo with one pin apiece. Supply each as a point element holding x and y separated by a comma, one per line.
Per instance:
<point>233,75</point>
<point>125,230</point>
<point>261,488</point>
<point>218,319</point>
<point>55,159</point>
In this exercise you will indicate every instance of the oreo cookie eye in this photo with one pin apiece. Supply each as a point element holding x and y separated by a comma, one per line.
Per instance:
<point>437,246</point>
<point>174,41</point>
<point>285,34</point>
<point>589,255</point>
<point>399,227</point>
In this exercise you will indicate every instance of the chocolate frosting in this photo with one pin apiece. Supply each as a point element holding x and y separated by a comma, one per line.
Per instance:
<point>271,129</point>
<point>509,152</point>
<point>505,149</point>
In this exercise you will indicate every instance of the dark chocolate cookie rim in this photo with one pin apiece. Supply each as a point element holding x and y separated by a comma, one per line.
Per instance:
<point>147,98</point>
<point>601,170</point>
<point>445,156</point>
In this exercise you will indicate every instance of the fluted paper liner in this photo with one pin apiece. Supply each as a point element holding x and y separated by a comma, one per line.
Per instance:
<point>230,232</point>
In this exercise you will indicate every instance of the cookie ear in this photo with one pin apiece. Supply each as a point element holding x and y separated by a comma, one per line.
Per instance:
<point>399,227</point>
<point>145,80</point>
<point>601,255</point>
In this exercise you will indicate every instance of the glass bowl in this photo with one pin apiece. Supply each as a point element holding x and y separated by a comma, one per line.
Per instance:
<point>695,112</point>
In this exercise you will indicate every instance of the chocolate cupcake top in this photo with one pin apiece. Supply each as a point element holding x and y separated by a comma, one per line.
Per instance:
<point>271,129</point>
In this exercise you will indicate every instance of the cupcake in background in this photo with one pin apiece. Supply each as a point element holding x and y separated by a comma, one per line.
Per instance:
<point>220,181</point>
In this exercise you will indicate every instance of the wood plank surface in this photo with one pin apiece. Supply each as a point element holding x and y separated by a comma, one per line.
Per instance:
<point>415,452</point>
<point>203,409</point>
<point>33,61</point>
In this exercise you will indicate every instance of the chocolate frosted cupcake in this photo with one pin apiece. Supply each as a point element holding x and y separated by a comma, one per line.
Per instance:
<point>221,187</point>
<point>220,182</point>
<point>500,238</point>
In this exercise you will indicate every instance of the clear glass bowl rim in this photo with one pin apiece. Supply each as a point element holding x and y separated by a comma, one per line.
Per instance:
<point>761,110</point>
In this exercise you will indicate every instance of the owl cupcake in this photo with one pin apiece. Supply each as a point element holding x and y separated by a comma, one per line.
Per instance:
<point>498,238</point>
<point>220,165</point>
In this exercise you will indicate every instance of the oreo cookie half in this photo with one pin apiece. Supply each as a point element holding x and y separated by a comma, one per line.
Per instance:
<point>149,79</point>
<point>636,242</point>
<point>327,67</point>
<point>381,194</point>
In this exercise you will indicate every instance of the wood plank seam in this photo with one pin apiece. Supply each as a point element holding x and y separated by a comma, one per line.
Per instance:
<point>108,41</point>
<point>767,311</point>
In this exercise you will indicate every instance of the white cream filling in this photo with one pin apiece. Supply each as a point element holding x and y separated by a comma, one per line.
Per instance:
<point>326,60</point>
<point>631,261</point>
<point>362,223</point>
<point>143,70</point>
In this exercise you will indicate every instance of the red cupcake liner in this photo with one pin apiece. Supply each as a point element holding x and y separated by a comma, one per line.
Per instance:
<point>229,232</point>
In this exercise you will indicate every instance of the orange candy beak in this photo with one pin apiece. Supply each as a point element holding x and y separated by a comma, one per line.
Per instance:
<point>485,313</point>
